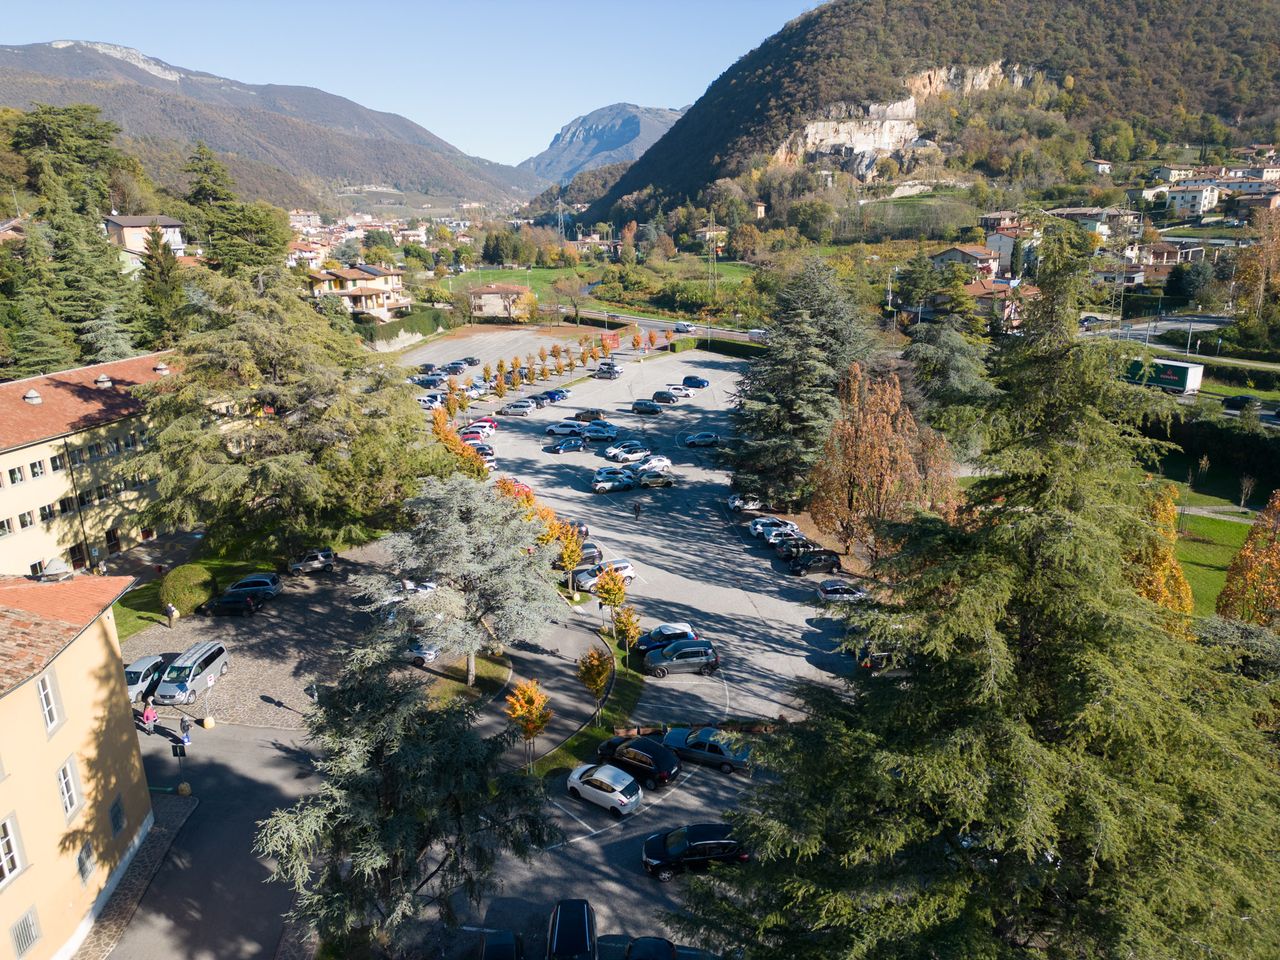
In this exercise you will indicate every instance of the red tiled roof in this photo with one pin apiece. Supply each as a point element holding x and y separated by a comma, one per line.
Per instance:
<point>38,620</point>
<point>1000,291</point>
<point>972,250</point>
<point>69,401</point>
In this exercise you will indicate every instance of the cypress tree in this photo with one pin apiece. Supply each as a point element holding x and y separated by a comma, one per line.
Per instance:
<point>161,290</point>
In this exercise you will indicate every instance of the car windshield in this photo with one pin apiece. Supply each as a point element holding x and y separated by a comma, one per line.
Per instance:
<point>630,790</point>
<point>677,841</point>
<point>177,675</point>
<point>132,676</point>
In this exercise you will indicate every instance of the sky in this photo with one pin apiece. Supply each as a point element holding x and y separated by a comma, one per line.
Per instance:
<point>496,78</point>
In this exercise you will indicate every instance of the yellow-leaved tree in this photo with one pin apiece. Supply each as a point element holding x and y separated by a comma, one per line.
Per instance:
<point>1252,590</point>
<point>1154,566</point>
<point>527,709</point>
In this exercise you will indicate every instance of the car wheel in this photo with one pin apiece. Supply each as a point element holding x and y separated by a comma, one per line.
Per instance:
<point>328,568</point>
<point>659,672</point>
<point>726,768</point>
<point>650,784</point>
<point>707,671</point>
<point>573,792</point>
<point>419,662</point>
<point>191,697</point>
<point>616,813</point>
<point>223,668</point>
<point>664,874</point>
<point>626,581</point>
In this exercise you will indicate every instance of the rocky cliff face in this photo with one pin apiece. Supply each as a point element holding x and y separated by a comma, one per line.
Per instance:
<point>618,133</point>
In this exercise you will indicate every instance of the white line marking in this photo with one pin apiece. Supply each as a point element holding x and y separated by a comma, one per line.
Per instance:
<point>570,813</point>
<point>618,823</point>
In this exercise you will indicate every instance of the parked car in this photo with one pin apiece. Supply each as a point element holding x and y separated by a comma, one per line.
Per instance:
<point>739,502</point>
<point>591,555</point>
<point>610,473</point>
<point>471,361</point>
<point>678,390</point>
<point>590,415</point>
<point>840,591</point>
<point>420,653</point>
<point>537,399</point>
<point>560,393</point>
<point>482,427</point>
<point>521,408</point>
<point>815,561</point>
<point>757,335</point>
<point>568,445</point>
<point>606,786</point>
<point>565,428</point>
<point>607,373</point>
<point>652,764</point>
<point>763,526</point>
<point>664,635</point>
<point>230,605</point>
<point>684,327</point>
<point>776,535</point>
<point>708,745</point>
<point>571,932</point>
<point>628,451</point>
<point>484,451</point>
<point>647,407</point>
<point>142,676</point>
<point>313,560</point>
<point>577,526</point>
<point>501,945</point>
<point>694,847</point>
<point>195,669</point>
<point>600,431</point>
<point>426,368</point>
<point>657,478</point>
<point>489,420</point>
<point>665,396</point>
<point>430,401</point>
<point>788,548</point>
<point>654,463</point>
<point>703,439</point>
<point>698,383</point>
<point>586,580</point>
<point>621,445</point>
<point>650,948</point>
<point>683,656</point>
<point>616,483</point>
<point>260,586</point>
<point>1242,401</point>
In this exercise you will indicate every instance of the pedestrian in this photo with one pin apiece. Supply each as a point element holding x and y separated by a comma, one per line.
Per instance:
<point>149,717</point>
<point>171,612</point>
<point>636,508</point>
<point>185,725</point>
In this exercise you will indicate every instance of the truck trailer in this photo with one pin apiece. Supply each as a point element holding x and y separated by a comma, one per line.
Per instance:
<point>1171,376</point>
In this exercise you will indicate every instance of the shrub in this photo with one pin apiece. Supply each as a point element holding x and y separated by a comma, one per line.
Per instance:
<point>188,586</point>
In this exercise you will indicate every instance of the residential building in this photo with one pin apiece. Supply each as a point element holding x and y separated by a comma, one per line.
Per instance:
<point>510,300</point>
<point>1124,274</point>
<point>130,235</point>
<point>64,440</point>
<point>979,258</point>
<point>1004,241</point>
<point>1193,201</point>
<point>1149,194</point>
<point>999,220</point>
<point>760,209</point>
<point>13,228</point>
<point>1098,166</point>
<point>1000,301</point>
<point>1104,221</point>
<point>304,220</point>
<point>373,291</point>
<point>1261,201</point>
<point>74,804</point>
<point>1173,174</point>
<point>308,254</point>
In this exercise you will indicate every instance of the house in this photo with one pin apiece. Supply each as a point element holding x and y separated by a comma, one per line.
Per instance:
<point>1104,221</point>
<point>1124,274</point>
<point>509,300</point>
<point>979,258</point>
<point>63,440</point>
<point>999,220</point>
<point>14,228</point>
<point>1149,194</point>
<point>1261,201</point>
<point>74,804</point>
<point>1173,174</point>
<point>130,235</point>
<point>1099,167</point>
<point>1193,201</point>
<point>364,289</point>
<point>709,234</point>
<point>1003,241</point>
<point>1000,301</point>
<point>304,220</point>
<point>310,255</point>
<point>760,209</point>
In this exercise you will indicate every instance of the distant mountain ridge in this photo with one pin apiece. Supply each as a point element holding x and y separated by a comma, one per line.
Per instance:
<point>618,133</point>
<point>308,133</point>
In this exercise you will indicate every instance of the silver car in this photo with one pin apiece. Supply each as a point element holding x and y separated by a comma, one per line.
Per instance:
<point>315,560</point>
<point>196,669</point>
<point>141,676</point>
<point>588,578</point>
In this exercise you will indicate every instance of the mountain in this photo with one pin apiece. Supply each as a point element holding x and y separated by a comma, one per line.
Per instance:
<point>308,133</point>
<point>618,133</point>
<point>854,70</point>
<point>586,187</point>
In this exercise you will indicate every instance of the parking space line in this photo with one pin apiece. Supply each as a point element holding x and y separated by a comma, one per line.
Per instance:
<point>618,823</point>
<point>570,813</point>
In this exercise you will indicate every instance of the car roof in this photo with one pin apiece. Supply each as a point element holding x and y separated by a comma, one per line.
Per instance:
<point>143,662</point>
<point>688,645</point>
<point>673,628</point>
<point>612,776</point>
<point>194,652</point>
<point>702,832</point>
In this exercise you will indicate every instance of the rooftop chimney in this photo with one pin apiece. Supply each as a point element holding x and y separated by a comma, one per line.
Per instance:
<point>102,381</point>
<point>32,397</point>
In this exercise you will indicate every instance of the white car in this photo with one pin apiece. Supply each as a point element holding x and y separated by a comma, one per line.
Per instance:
<point>607,787</point>
<point>587,578</point>
<point>654,463</point>
<point>608,473</point>
<point>600,431</point>
<point>614,484</point>
<point>745,501</point>
<point>617,448</point>
<point>683,327</point>
<point>521,408</point>
<point>420,653</point>
<point>430,401</point>
<point>565,428</point>
<point>765,526</point>
<point>634,455</point>
<point>679,390</point>
<point>482,427</point>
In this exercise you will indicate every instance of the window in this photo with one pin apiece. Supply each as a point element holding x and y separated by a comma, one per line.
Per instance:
<point>104,491</point>
<point>6,527</point>
<point>25,933</point>
<point>37,469</point>
<point>131,442</point>
<point>26,519</point>
<point>85,498</point>
<point>48,512</point>
<point>77,458</point>
<point>113,446</point>
<point>117,817</point>
<point>37,568</point>
<point>57,462</point>
<point>77,554</point>
<point>96,451</point>
<point>17,474</point>
<point>10,852</point>
<point>69,787</point>
<point>49,705</point>
<point>67,505</point>
<point>84,862</point>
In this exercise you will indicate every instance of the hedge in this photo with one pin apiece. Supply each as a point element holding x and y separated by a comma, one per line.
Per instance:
<point>1178,338</point>
<point>424,322</point>
<point>732,348</point>
<point>188,586</point>
<point>1227,446</point>
<point>681,344</point>
<point>1247,377</point>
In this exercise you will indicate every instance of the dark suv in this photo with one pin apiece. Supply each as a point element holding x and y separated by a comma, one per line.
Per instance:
<point>587,416</point>
<point>571,932</point>
<point>694,847</point>
<point>820,561</point>
<point>647,760</point>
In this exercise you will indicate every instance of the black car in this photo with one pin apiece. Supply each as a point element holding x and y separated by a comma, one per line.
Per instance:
<point>502,945</point>
<point>588,416</point>
<point>578,527</point>
<point>571,931</point>
<point>471,361</point>
<point>645,406</point>
<point>591,555</point>
<point>664,396</point>
<point>647,760</point>
<point>663,636</point>
<point>426,368</point>
<point>698,383</point>
<point>231,605</point>
<point>1241,401</point>
<point>650,948</point>
<point>819,561</point>
<point>567,445</point>
<point>694,847</point>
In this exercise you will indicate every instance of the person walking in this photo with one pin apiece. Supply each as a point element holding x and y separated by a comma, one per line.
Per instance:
<point>636,508</point>
<point>149,717</point>
<point>185,726</point>
<point>171,612</point>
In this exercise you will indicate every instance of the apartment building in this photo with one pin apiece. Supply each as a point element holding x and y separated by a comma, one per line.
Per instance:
<point>377,292</point>
<point>74,805</point>
<point>130,235</point>
<point>66,494</point>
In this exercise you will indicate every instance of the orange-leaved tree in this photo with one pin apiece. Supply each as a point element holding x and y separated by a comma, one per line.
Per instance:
<point>612,593</point>
<point>595,667</point>
<point>1154,566</point>
<point>527,709</point>
<point>469,461</point>
<point>1252,590</point>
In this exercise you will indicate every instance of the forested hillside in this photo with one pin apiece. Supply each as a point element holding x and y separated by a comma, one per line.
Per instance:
<point>1172,69</point>
<point>586,187</point>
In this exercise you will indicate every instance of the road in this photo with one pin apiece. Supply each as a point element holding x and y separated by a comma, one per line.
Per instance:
<point>647,323</point>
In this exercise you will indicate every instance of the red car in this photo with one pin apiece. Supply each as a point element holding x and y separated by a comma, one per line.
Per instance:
<point>489,420</point>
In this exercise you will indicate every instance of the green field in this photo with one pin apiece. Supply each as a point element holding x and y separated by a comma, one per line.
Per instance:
<point>1206,548</point>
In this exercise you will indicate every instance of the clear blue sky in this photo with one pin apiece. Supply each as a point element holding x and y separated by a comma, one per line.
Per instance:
<point>496,78</point>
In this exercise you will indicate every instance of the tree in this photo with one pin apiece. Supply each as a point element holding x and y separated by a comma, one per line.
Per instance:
<point>248,238</point>
<point>1156,573</point>
<point>816,290</point>
<point>570,552</point>
<point>1252,590</point>
<point>876,469</point>
<point>626,629</point>
<point>783,413</point>
<point>161,290</point>
<point>494,580</point>
<point>43,344</point>
<point>612,593</point>
<point>414,806</point>
<point>949,365</point>
<point>1018,257</point>
<point>105,338</point>
<point>919,281</point>
<point>595,668</point>
<point>209,184</point>
<point>527,709</point>
<point>1044,767</point>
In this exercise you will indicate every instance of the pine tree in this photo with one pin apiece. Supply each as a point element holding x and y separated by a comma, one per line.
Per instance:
<point>815,289</point>
<point>105,338</point>
<point>161,290</point>
<point>43,344</point>
<point>210,185</point>
<point>1044,768</point>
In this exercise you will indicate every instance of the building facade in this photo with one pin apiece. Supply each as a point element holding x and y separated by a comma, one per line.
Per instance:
<point>74,805</point>
<point>130,235</point>
<point>377,292</point>
<point>510,300</point>
<point>66,494</point>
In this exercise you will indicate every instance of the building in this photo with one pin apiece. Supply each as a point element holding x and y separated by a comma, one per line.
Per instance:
<point>13,228</point>
<point>1261,201</point>
<point>999,220</point>
<point>1123,274</point>
<point>309,255</point>
<point>1149,194</point>
<point>74,805</point>
<point>130,235</point>
<point>1173,174</point>
<point>510,300</point>
<point>1004,241</point>
<point>760,209</point>
<point>303,220</point>
<point>1098,166</point>
<point>1104,221</point>
<point>978,258</point>
<point>376,292</point>
<point>1193,201</point>
<point>63,439</point>
<point>1002,302</point>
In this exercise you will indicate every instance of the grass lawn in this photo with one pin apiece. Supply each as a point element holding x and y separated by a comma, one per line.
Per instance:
<point>451,679</point>
<point>1216,388</point>
<point>1205,550</point>
<point>1217,488</point>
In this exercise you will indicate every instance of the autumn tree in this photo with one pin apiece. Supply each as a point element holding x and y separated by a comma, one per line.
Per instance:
<point>572,291</point>
<point>528,711</point>
<point>1252,590</point>
<point>612,593</point>
<point>1155,571</point>
<point>626,629</point>
<point>595,667</point>
<point>570,552</point>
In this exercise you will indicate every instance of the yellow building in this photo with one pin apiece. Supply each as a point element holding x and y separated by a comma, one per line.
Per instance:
<point>74,805</point>
<point>63,438</point>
